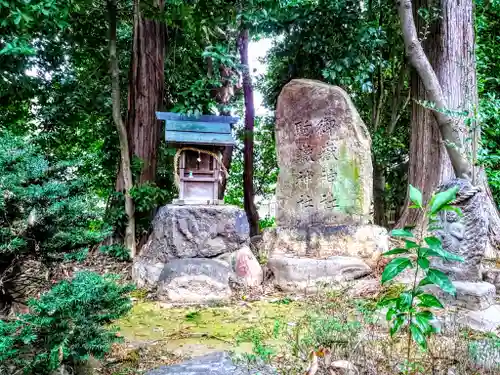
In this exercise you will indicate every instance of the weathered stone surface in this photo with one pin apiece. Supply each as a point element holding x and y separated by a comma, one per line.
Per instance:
<point>146,274</point>
<point>213,364</point>
<point>492,276</point>
<point>195,232</point>
<point>323,150</point>
<point>487,320</point>
<point>470,295</point>
<point>367,242</point>
<point>188,281</point>
<point>299,274</point>
<point>466,236</point>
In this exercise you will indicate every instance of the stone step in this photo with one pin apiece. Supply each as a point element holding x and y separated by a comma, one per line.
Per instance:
<point>308,275</point>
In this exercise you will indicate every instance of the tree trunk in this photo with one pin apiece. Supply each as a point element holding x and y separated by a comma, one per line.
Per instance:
<point>248,188</point>
<point>129,240</point>
<point>379,214</point>
<point>446,79</point>
<point>146,91</point>
<point>446,75</point>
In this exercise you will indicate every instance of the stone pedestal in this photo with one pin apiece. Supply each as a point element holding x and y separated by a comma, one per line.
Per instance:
<point>195,231</point>
<point>195,252</point>
<point>366,242</point>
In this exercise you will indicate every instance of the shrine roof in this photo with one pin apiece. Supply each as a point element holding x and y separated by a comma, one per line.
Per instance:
<point>202,130</point>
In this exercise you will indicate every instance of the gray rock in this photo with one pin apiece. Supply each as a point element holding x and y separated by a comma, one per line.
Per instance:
<point>465,235</point>
<point>470,295</point>
<point>185,281</point>
<point>485,321</point>
<point>195,232</point>
<point>298,274</point>
<point>213,364</point>
<point>492,276</point>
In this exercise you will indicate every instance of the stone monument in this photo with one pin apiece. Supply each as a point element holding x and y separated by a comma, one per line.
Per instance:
<point>324,190</point>
<point>324,157</point>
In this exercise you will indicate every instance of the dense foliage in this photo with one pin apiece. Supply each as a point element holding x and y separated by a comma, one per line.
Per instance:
<point>488,63</point>
<point>64,326</point>
<point>44,208</point>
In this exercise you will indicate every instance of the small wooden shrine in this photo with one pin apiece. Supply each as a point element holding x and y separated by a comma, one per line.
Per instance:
<point>199,141</point>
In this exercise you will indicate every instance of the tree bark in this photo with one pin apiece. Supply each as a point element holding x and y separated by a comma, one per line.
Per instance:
<point>441,89</point>
<point>445,75</point>
<point>248,188</point>
<point>129,240</point>
<point>145,91</point>
<point>430,164</point>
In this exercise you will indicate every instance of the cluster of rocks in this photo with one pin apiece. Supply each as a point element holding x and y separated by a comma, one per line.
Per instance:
<point>196,253</point>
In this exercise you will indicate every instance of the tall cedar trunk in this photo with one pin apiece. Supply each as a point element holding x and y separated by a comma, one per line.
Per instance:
<point>129,240</point>
<point>248,188</point>
<point>145,91</point>
<point>449,46</point>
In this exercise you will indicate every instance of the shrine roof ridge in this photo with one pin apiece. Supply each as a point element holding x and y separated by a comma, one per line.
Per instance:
<point>203,118</point>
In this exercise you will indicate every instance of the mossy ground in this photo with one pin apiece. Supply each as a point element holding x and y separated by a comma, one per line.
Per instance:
<point>213,327</point>
<point>156,335</point>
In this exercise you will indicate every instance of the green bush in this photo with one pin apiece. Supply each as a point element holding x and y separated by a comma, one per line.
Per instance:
<point>44,208</point>
<point>65,325</point>
<point>117,251</point>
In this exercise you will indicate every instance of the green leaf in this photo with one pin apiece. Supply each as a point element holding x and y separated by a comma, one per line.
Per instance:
<point>443,199</point>
<point>418,336</point>
<point>437,247</point>
<point>422,319</point>
<point>399,322</point>
<point>416,196</point>
<point>411,244</point>
<point>401,233</point>
<point>395,251</point>
<point>424,252</point>
<point>394,268</point>
<point>440,279</point>
<point>423,263</point>
<point>425,281</point>
<point>404,302</point>
<point>429,300</point>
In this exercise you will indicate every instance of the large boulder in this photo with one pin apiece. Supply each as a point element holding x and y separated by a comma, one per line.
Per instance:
<point>219,363</point>
<point>306,274</point>
<point>366,242</point>
<point>324,159</point>
<point>195,232</point>
<point>185,281</point>
<point>465,235</point>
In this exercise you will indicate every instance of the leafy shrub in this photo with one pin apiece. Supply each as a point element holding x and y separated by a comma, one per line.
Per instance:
<point>411,308</point>
<point>267,222</point>
<point>117,251</point>
<point>44,209</point>
<point>65,325</point>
